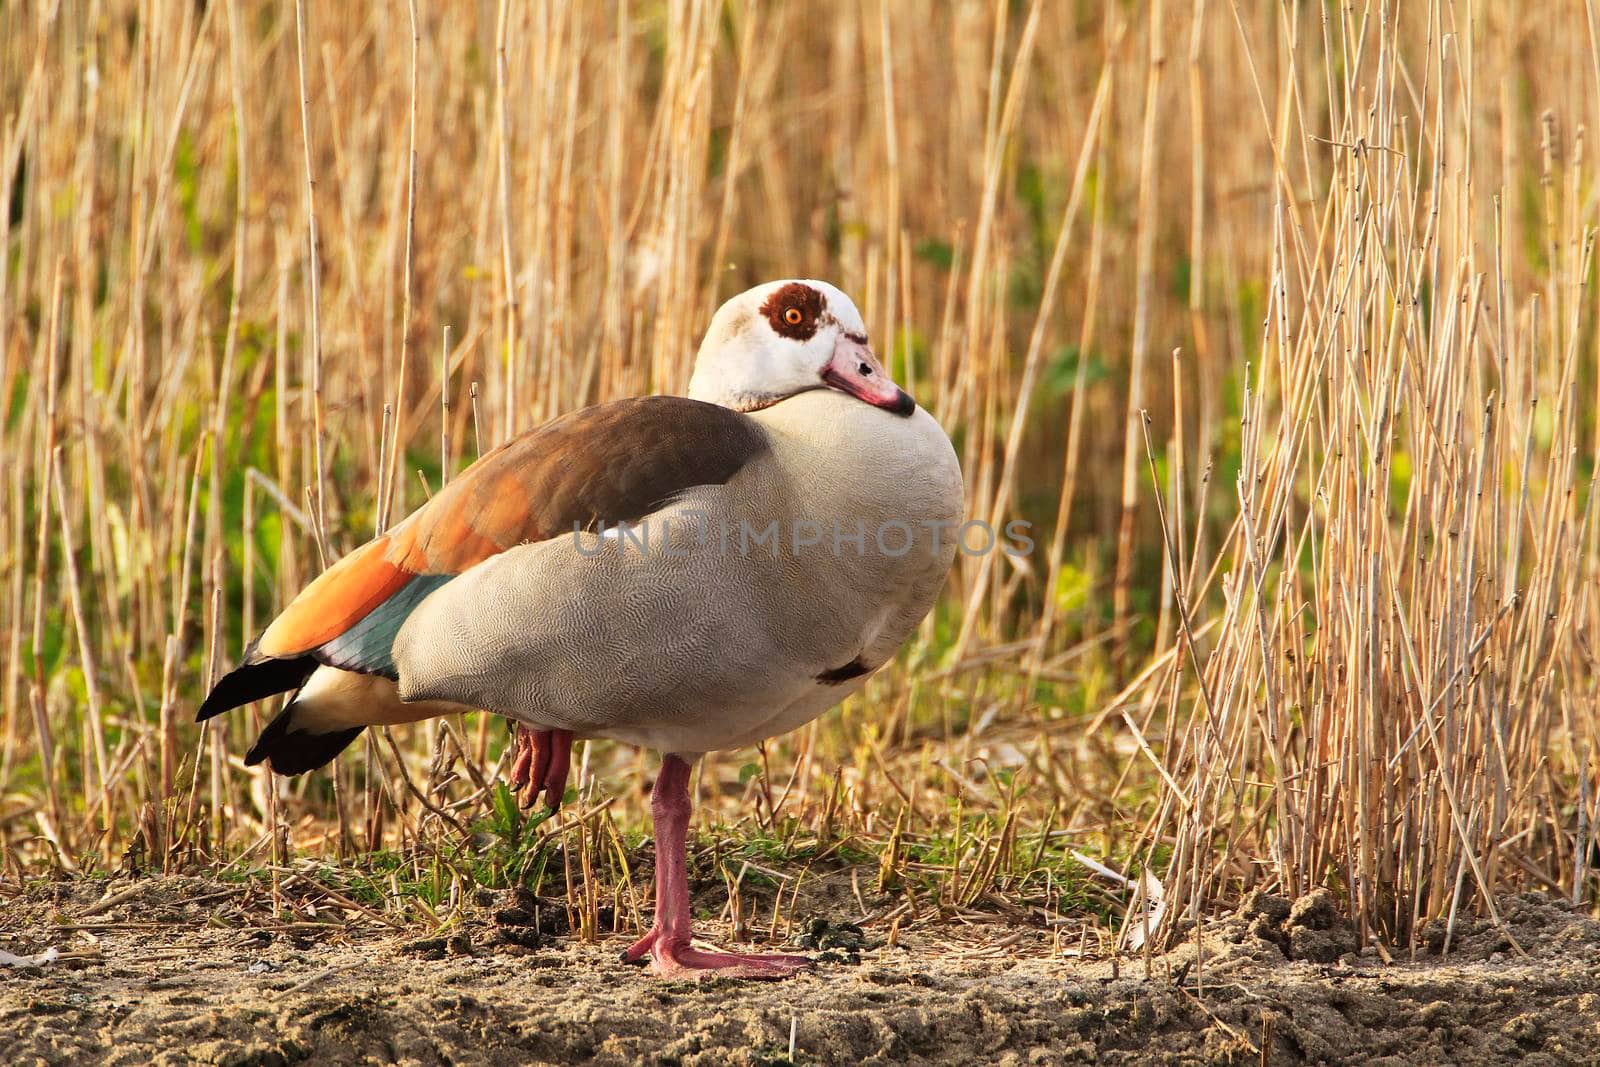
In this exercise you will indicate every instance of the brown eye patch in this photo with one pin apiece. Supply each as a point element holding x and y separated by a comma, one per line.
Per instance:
<point>793,310</point>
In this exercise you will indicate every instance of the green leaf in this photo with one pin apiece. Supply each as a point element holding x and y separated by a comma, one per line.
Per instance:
<point>939,253</point>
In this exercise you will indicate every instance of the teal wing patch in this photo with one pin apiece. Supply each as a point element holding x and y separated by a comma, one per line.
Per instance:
<point>368,646</point>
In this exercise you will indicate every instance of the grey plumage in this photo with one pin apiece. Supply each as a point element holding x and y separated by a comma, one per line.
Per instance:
<point>721,645</point>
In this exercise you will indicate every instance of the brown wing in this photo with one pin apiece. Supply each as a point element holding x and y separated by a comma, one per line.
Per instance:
<point>611,463</point>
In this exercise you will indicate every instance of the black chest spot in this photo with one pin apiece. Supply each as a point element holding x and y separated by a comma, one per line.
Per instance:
<point>839,675</point>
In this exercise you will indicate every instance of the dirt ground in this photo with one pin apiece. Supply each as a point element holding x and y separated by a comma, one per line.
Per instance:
<point>168,973</point>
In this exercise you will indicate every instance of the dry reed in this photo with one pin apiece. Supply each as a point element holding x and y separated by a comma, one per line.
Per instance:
<point>1329,622</point>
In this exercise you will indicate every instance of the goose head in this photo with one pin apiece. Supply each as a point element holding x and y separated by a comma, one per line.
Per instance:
<point>783,338</point>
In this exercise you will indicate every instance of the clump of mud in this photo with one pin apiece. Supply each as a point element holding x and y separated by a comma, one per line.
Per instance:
<point>839,942</point>
<point>1532,924</point>
<point>1311,928</point>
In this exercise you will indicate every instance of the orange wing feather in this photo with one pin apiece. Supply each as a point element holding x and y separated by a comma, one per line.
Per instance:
<point>336,600</point>
<point>441,537</point>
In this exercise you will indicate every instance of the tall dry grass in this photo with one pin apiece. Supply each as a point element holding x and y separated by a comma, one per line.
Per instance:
<point>1274,319</point>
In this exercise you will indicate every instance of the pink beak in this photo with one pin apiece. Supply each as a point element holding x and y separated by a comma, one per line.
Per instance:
<point>855,370</point>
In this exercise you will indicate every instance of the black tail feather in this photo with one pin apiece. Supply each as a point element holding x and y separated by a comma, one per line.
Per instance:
<point>294,751</point>
<point>255,681</point>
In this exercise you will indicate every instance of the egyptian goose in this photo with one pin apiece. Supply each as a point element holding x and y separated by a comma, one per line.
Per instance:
<point>682,574</point>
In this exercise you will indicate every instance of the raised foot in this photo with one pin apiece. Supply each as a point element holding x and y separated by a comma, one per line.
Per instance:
<point>677,958</point>
<point>543,758</point>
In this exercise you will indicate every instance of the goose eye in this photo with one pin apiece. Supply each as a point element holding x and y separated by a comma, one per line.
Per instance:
<point>793,316</point>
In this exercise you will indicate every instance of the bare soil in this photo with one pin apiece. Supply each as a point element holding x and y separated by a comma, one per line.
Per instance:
<point>172,975</point>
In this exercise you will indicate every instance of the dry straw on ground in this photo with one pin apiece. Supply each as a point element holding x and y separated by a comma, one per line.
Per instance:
<point>1274,319</point>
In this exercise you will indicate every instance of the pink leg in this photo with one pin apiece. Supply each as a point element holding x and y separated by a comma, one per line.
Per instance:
<point>668,942</point>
